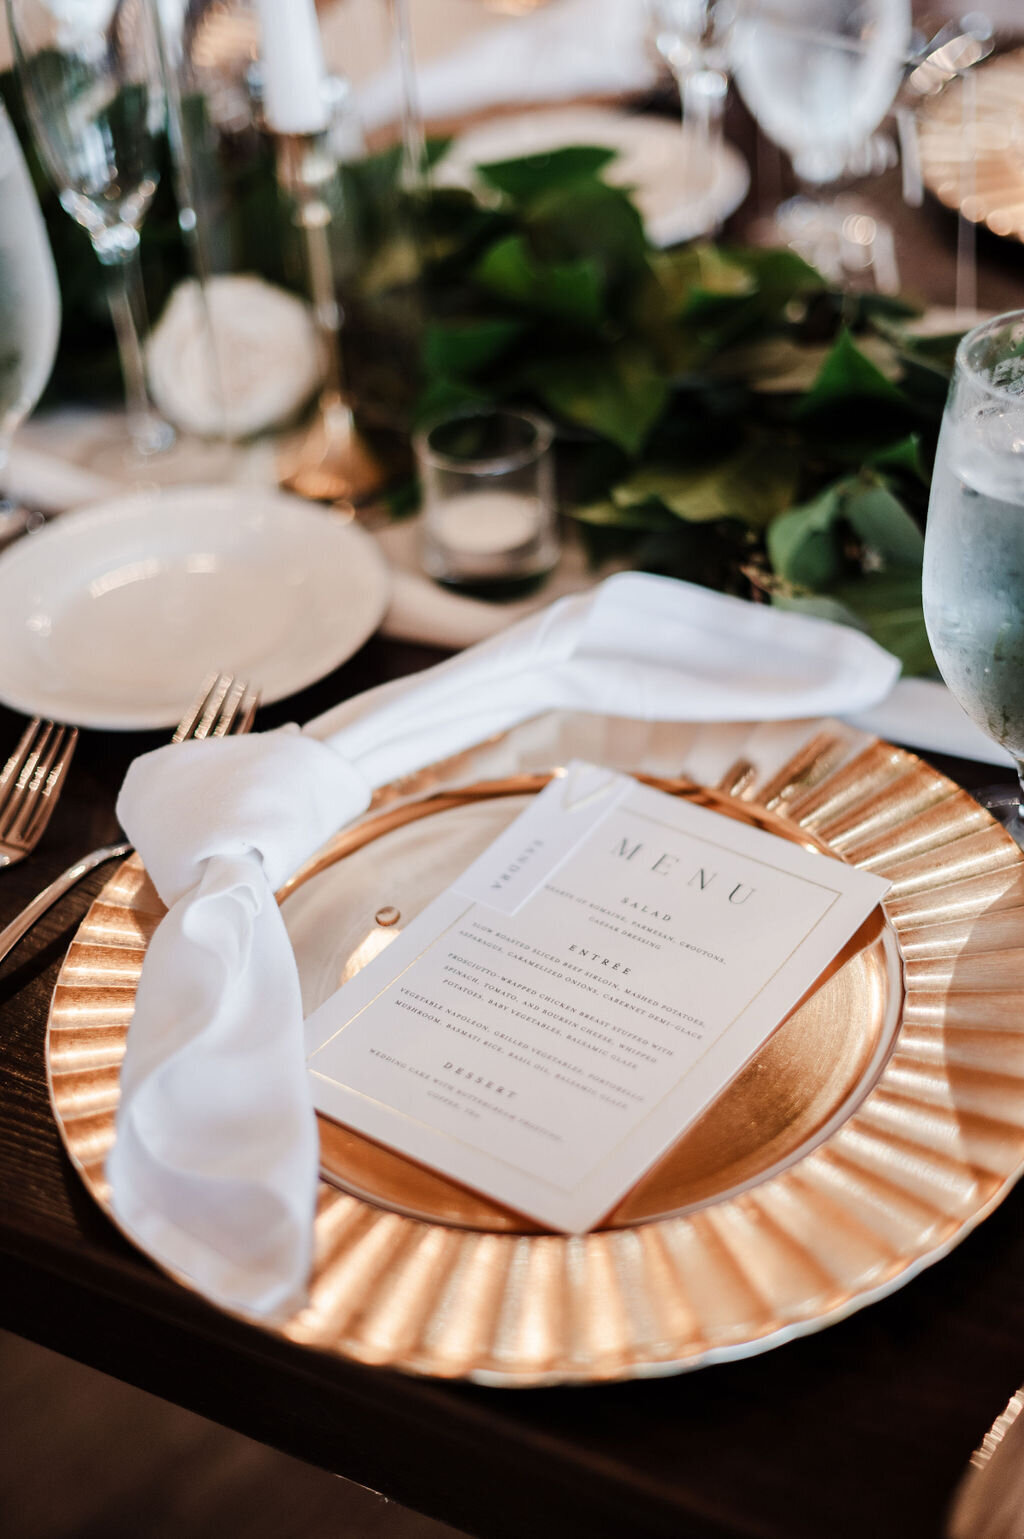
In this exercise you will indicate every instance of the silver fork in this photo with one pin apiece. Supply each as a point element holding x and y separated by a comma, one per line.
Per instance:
<point>224,706</point>
<point>30,783</point>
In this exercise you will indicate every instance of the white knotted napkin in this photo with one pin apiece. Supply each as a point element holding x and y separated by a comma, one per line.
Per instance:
<point>214,1170</point>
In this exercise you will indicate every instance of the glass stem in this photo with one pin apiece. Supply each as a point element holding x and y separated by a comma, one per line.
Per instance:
<point>703,95</point>
<point>119,254</point>
<point>414,155</point>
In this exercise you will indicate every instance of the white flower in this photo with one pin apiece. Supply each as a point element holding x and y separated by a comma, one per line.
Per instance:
<point>268,360</point>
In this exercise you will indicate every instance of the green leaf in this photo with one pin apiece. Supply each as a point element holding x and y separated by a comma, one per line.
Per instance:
<point>805,544</point>
<point>616,393</point>
<point>779,272</point>
<point>592,220</point>
<point>904,455</point>
<point>459,348</point>
<point>530,175</point>
<point>884,527</point>
<point>701,270</point>
<point>648,514</point>
<point>821,605</point>
<point>446,398</point>
<point>889,606</point>
<point>751,485</point>
<point>848,375</point>
<point>571,291</point>
<point>436,148</point>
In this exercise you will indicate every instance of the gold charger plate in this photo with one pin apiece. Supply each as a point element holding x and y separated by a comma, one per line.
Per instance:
<point>972,152</point>
<point>879,1124</point>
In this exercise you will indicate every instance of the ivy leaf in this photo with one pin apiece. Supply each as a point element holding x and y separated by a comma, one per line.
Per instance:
<point>590,219</point>
<point>884,527</point>
<point>847,375</point>
<point>779,272</point>
<point>752,485</point>
<point>904,455</point>
<point>888,604</point>
<point>571,291</point>
<point>805,544</point>
<point>530,175</point>
<point>700,270</point>
<point>617,393</point>
<point>460,348</point>
<point>647,514</point>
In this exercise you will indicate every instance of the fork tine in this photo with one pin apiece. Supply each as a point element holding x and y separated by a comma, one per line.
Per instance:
<point>247,713</point>
<point>229,708</point>
<point>11,772</point>
<point>207,724</point>
<point>26,793</point>
<point>190,723</point>
<point>18,782</point>
<point>46,784</point>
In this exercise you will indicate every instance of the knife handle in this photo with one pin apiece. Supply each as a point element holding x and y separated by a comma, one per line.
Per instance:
<point>10,936</point>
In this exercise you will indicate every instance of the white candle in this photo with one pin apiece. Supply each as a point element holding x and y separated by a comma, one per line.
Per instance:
<point>486,523</point>
<point>294,101</point>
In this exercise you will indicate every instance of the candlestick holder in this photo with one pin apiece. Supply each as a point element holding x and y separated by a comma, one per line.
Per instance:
<point>333,463</point>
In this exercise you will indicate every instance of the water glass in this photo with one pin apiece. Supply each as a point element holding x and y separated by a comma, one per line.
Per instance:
<point>819,76</point>
<point>91,79</point>
<point>29,296</point>
<point>973,585</point>
<point>489,515</point>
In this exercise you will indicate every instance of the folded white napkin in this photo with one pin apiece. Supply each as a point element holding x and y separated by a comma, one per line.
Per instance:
<point>214,1169</point>
<point>568,49</point>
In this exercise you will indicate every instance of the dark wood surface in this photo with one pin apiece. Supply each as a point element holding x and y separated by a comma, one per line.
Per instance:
<point>860,1430</point>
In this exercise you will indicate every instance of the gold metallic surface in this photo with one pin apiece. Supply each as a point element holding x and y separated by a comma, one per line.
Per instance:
<point>871,1132</point>
<point>975,163</point>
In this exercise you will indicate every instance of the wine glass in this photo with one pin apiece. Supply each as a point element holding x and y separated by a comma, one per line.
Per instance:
<point>29,304</point>
<point>973,585</point>
<point>692,36</point>
<point>90,73</point>
<point>819,76</point>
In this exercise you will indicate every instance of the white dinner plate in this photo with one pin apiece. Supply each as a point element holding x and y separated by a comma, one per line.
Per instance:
<point>112,616</point>
<point>678,198</point>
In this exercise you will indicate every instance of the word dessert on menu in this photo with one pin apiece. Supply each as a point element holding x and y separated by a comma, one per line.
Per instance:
<point>556,1018</point>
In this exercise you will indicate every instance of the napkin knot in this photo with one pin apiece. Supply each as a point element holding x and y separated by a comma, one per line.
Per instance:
<point>277,795</point>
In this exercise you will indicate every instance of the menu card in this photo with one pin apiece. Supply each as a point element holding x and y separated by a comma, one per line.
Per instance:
<point>557,1017</point>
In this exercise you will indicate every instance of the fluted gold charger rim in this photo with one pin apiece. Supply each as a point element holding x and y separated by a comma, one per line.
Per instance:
<point>933,1143</point>
<point>972,146</point>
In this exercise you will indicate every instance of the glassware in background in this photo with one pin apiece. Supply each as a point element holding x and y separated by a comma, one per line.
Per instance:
<point>819,76</point>
<point>333,463</point>
<point>692,36</point>
<point>973,584</point>
<point>489,516</point>
<point>29,305</point>
<point>91,81</point>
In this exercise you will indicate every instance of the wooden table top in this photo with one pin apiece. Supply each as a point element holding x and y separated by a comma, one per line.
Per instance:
<point>861,1430</point>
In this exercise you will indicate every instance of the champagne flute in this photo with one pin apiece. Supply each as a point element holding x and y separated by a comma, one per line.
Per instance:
<point>29,305</point>
<point>973,585</point>
<point>90,73</point>
<point>819,76</point>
